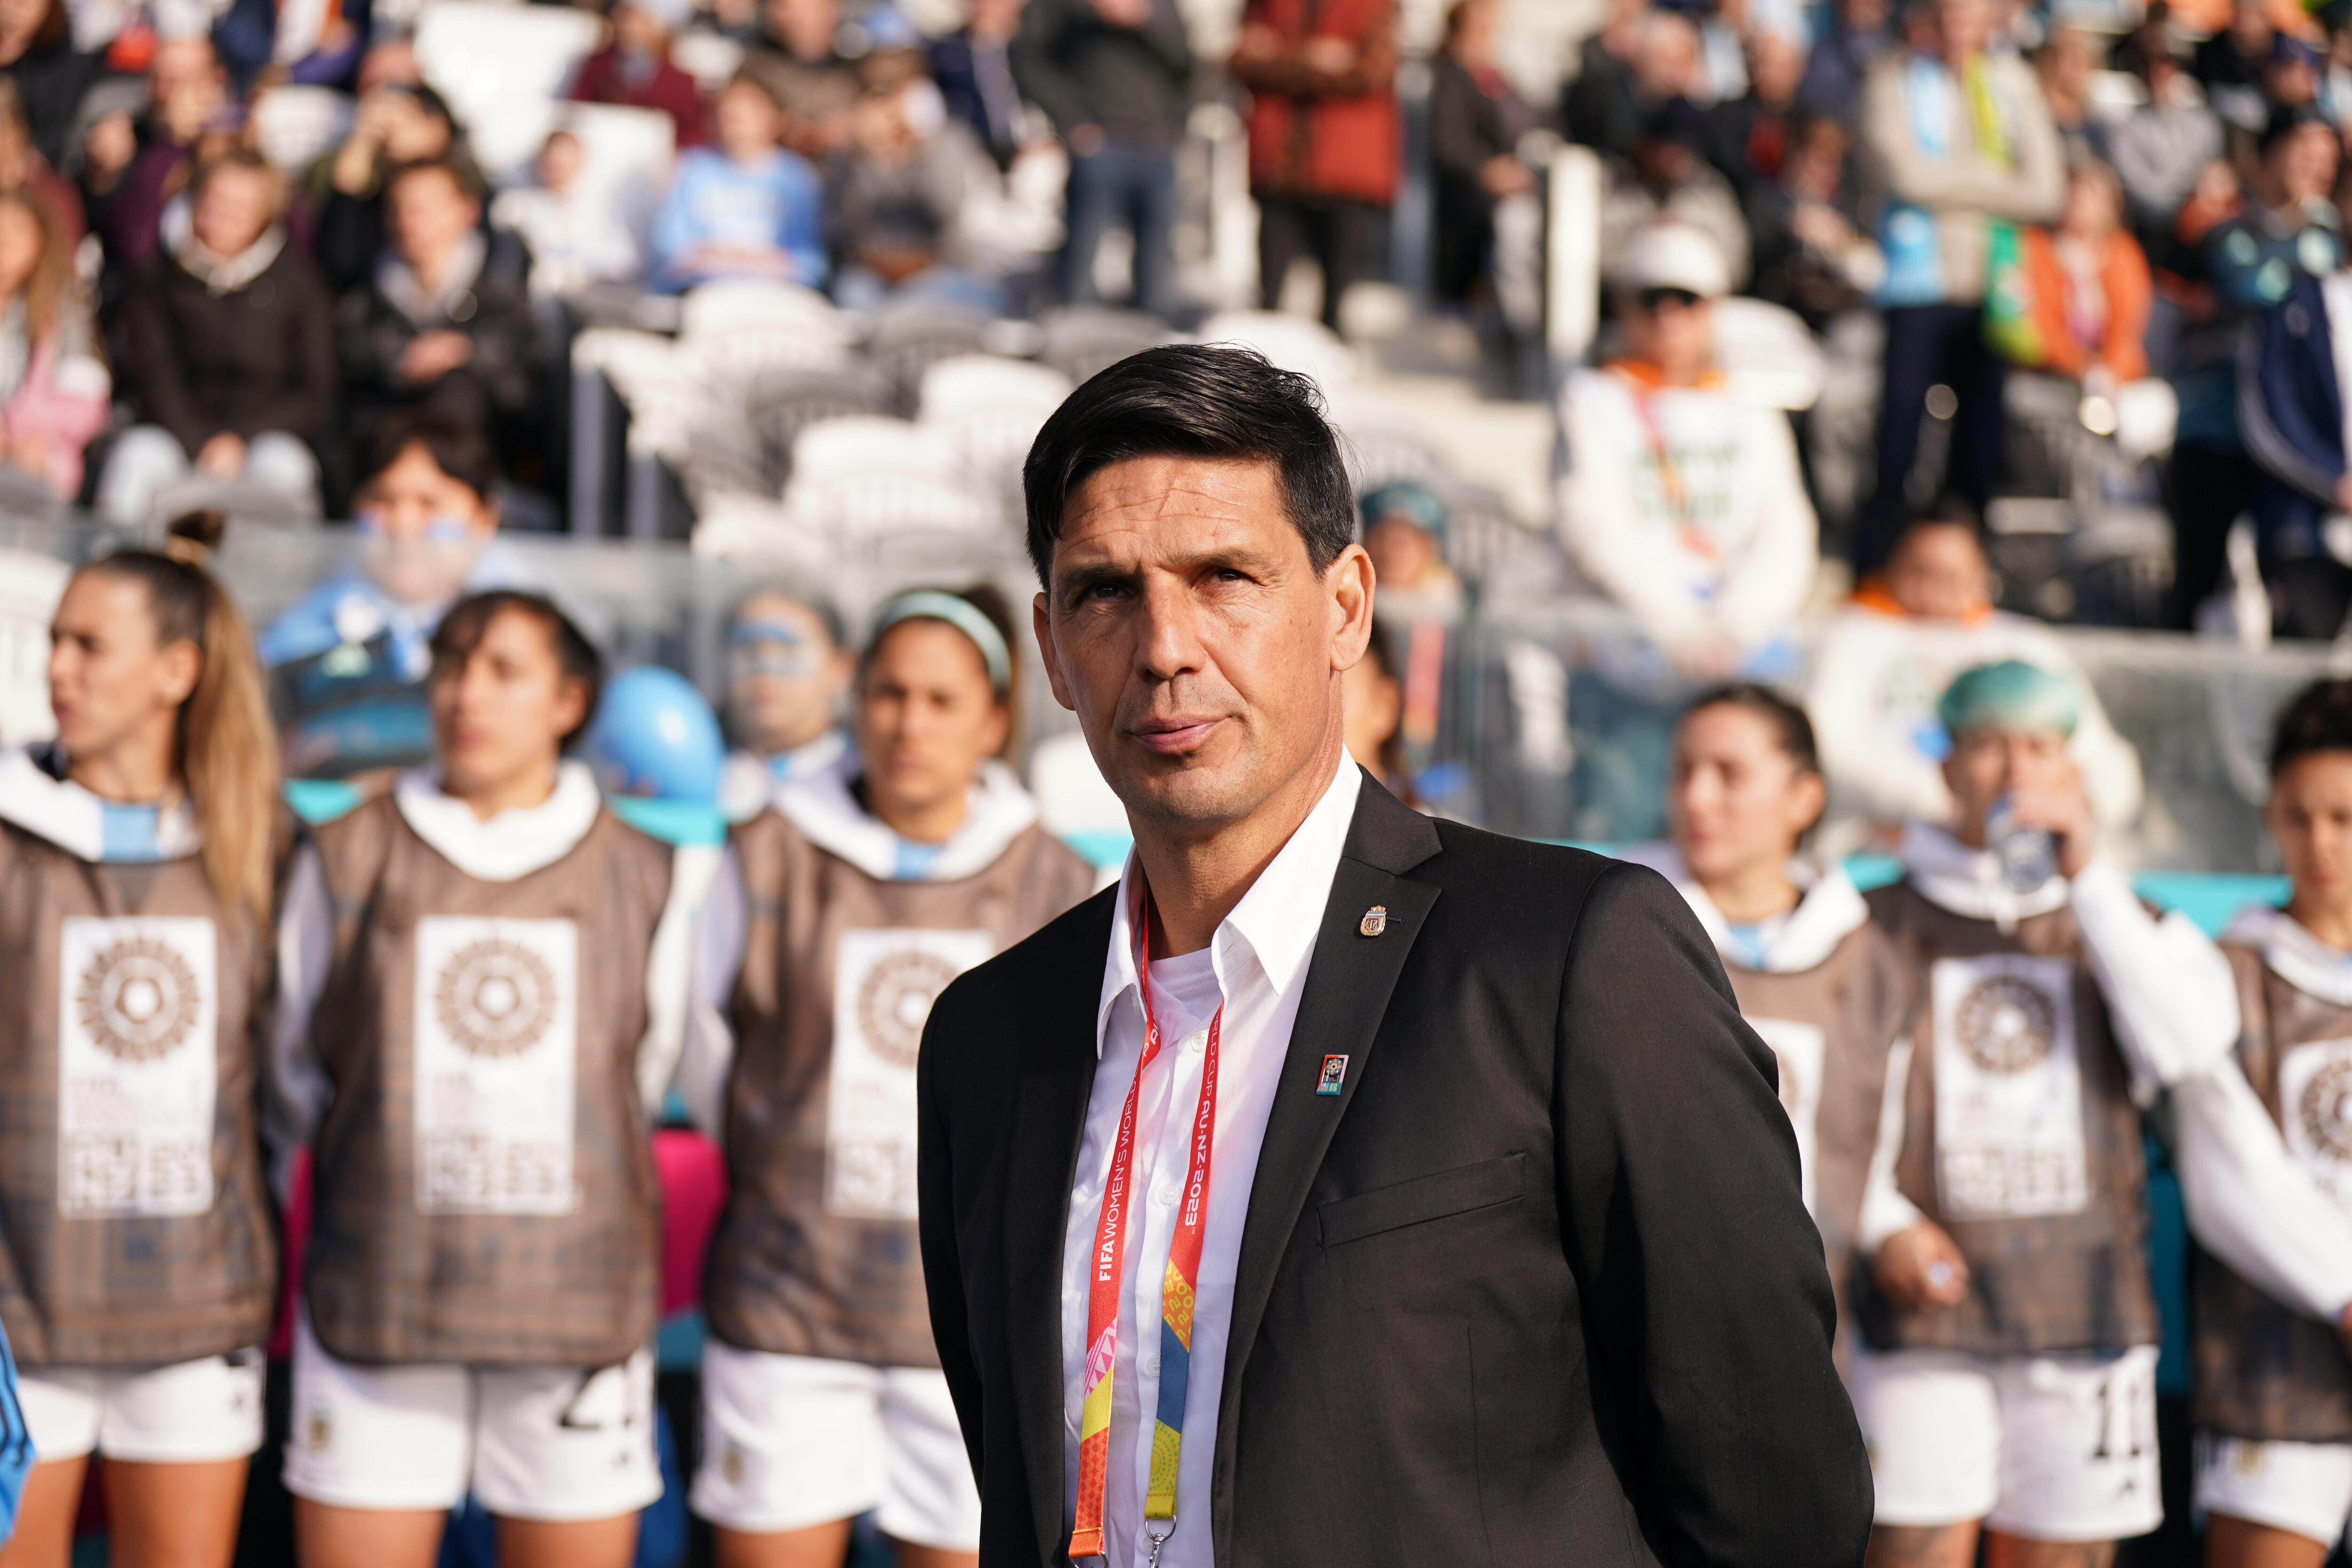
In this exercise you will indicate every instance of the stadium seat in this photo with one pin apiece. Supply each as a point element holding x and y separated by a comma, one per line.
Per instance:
<point>1080,340</point>
<point>989,411</point>
<point>501,68</point>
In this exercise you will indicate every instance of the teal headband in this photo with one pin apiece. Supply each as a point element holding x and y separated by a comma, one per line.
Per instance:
<point>2010,695</point>
<point>930,605</point>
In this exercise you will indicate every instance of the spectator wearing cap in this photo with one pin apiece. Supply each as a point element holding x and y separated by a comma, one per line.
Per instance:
<point>1115,77</point>
<point>635,68</point>
<point>973,65</point>
<point>1668,177</point>
<point>796,54</point>
<point>1958,148</point>
<point>231,361</point>
<point>1323,135</point>
<point>745,207</point>
<point>442,323</point>
<point>1678,500</point>
<point>2292,402</point>
<point>399,123</point>
<point>37,53</point>
<point>1405,533</point>
<point>2284,229</point>
<point>1855,40</point>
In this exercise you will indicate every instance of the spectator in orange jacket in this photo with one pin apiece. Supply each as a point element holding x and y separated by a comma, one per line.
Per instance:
<point>2089,283</point>
<point>1323,136</point>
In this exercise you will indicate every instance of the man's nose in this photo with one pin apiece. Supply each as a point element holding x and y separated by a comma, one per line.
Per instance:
<point>1168,639</point>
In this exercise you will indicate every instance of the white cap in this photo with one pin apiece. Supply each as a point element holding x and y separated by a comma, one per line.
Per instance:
<point>1671,254</point>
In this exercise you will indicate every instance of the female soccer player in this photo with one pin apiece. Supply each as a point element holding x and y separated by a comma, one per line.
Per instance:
<point>140,1262</point>
<point>469,1043</point>
<point>1815,979</point>
<point>844,910</point>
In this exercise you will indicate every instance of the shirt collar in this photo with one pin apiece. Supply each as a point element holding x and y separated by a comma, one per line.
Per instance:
<point>1276,920</point>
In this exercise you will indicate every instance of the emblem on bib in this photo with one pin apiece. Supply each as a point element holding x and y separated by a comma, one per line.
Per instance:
<point>138,1066</point>
<point>495,998</point>
<point>496,1035</point>
<point>2316,1093</point>
<point>883,983</point>
<point>2009,1089</point>
<point>896,1000</point>
<point>2005,1024</point>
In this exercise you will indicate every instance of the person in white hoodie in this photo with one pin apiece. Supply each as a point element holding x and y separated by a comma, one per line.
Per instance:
<point>482,977</point>
<point>840,913</point>
<point>1819,985</point>
<point>1678,499</point>
<point>1883,663</point>
<point>2008,1381</point>
<point>2272,1278</point>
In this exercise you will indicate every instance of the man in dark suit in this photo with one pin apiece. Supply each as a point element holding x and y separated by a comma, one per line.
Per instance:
<point>1345,1187</point>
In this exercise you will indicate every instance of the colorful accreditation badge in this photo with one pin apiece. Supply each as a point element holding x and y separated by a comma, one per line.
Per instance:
<point>1334,1076</point>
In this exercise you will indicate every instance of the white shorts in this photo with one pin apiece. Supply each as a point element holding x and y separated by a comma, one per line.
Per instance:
<point>2302,1488</point>
<point>190,1413</point>
<point>542,1443</point>
<point>2046,1447</point>
<point>792,1441</point>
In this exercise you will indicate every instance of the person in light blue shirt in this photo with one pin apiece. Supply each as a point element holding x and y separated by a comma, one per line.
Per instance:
<point>744,209</point>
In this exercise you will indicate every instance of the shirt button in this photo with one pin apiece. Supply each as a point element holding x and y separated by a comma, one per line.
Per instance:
<point>1190,1044</point>
<point>1149,1362</point>
<point>1164,1194</point>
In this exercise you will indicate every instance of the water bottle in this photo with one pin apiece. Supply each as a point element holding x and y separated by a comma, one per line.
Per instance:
<point>2028,857</point>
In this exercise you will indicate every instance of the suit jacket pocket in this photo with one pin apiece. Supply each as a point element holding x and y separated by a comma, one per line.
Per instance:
<point>1435,1197</point>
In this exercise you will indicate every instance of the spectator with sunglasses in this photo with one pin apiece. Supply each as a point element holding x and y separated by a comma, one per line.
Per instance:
<point>1677,499</point>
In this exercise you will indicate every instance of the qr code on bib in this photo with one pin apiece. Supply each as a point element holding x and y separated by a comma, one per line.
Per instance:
<point>101,1173</point>
<point>470,1171</point>
<point>2012,1181</point>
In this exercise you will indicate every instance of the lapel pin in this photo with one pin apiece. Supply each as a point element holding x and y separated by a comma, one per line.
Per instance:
<point>1375,921</point>
<point>1334,1076</point>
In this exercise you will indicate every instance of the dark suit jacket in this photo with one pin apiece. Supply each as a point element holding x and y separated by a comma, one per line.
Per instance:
<point>1537,1286</point>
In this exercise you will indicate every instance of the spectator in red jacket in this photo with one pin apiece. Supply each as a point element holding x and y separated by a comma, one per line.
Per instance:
<point>634,67</point>
<point>1323,136</point>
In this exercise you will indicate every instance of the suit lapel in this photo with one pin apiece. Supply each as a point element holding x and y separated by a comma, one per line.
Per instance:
<point>1347,985</point>
<point>1057,1074</point>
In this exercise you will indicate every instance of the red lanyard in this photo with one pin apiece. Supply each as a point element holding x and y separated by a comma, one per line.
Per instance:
<point>1177,1286</point>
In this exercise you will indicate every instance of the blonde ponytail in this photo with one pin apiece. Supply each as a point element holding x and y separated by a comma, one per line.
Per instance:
<point>228,746</point>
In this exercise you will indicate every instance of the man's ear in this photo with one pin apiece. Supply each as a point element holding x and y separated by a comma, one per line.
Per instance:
<point>1349,582</point>
<point>1042,620</point>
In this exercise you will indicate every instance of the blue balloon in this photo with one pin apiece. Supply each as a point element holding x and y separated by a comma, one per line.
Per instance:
<point>654,737</point>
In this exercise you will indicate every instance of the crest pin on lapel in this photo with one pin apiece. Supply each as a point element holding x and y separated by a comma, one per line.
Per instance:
<point>1334,1076</point>
<point>1375,921</point>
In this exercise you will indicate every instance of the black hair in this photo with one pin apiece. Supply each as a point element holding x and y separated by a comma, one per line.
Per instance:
<point>1195,400</point>
<point>457,450</point>
<point>1948,511</point>
<point>468,621</point>
<point>2285,120</point>
<point>1792,730</point>
<point>2317,719</point>
<point>460,176</point>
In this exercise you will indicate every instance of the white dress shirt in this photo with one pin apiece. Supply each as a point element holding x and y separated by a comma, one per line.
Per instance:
<point>1260,957</point>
